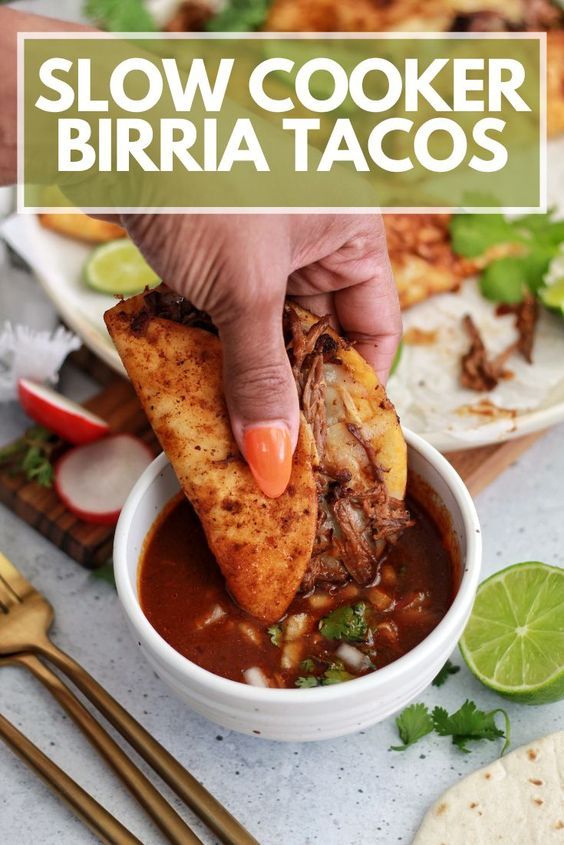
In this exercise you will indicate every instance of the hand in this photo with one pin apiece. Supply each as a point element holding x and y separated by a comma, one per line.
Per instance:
<point>239,268</point>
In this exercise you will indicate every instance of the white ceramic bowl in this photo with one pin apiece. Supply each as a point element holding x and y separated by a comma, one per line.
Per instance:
<point>301,714</point>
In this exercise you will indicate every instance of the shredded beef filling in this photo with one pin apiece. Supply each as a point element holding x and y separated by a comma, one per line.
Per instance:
<point>355,526</point>
<point>526,316</point>
<point>170,306</point>
<point>537,15</point>
<point>480,372</point>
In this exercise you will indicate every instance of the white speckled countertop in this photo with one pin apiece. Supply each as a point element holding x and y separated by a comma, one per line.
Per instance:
<point>351,791</point>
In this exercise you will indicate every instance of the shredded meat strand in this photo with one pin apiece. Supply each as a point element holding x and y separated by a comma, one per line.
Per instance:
<point>479,371</point>
<point>526,317</point>
<point>313,403</point>
<point>357,552</point>
<point>366,521</point>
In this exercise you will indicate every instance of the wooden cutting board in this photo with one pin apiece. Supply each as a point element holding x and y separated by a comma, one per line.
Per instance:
<point>91,545</point>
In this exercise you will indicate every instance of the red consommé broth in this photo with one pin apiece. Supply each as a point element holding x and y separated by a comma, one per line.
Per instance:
<point>183,595</point>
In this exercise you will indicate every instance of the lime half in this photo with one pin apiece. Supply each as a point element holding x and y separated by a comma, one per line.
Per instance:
<point>553,295</point>
<point>514,641</point>
<point>118,267</point>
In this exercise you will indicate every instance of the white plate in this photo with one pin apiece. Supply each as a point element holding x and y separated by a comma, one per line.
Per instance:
<point>57,262</point>
<point>538,401</point>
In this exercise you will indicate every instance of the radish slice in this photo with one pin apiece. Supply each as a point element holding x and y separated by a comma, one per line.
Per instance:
<point>94,480</point>
<point>62,416</point>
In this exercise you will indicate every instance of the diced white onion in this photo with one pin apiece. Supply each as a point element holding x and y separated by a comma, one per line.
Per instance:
<point>318,601</point>
<point>353,657</point>
<point>255,677</point>
<point>250,632</point>
<point>291,655</point>
<point>296,625</point>
<point>348,592</point>
<point>379,599</point>
<point>215,615</point>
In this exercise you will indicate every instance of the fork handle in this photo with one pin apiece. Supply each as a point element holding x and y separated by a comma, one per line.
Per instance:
<point>105,826</point>
<point>227,829</point>
<point>172,825</point>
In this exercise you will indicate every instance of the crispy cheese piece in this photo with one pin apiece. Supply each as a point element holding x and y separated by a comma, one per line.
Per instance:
<point>81,227</point>
<point>262,545</point>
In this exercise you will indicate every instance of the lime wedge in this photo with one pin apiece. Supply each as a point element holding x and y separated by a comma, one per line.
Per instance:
<point>514,641</point>
<point>553,295</point>
<point>118,267</point>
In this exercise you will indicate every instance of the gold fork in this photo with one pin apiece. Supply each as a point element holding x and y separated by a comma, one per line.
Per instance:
<point>105,826</point>
<point>141,787</point>
<point>24,623</point>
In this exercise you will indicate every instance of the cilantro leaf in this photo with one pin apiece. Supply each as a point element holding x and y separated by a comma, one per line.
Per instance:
<point>413,724</point>
<point>443,674</point>
<point>469,723</point>
<point>120,15</point>
<point>240,16</point>
<point>275,634</point>
<point>504,280</point>
<point>335,675</point>
<point>507,279</point>
<point>473,234</point>
<point>31,455</point>
<point>307,682</point>
<point>105,573</point>
<point>345,623</point>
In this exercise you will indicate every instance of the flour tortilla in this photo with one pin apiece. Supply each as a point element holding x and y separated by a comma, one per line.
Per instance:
<point>517,800</point>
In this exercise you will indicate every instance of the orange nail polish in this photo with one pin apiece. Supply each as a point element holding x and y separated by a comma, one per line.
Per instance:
<point>269,454</point>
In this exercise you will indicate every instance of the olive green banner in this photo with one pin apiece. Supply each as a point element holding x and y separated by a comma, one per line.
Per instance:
<point>112,123</point>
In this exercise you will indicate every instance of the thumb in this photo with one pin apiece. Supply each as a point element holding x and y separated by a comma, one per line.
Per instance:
<point>261,393</point>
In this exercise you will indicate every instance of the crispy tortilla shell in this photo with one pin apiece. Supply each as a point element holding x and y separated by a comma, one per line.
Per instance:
<point>262,545</point>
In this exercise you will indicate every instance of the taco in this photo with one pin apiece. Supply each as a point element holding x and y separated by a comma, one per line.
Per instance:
<point>344,502</point>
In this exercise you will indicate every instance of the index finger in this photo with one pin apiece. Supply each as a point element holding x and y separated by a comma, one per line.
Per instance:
<point>369,314</point>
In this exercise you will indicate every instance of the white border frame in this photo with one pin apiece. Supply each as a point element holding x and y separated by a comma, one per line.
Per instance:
<point>541,37</point>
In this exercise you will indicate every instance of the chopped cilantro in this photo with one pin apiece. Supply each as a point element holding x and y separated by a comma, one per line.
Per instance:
<point>120,15</point>
<point>443,674</point>
<point>275,634</point>
<point>105,573</point>
<point>413,724</point>
<point>506,279</point>
<point>31,455</point>
<point>469,723</point>
<point>473,234</point>
<point>240,16</point>
<point>306,682</point>
<point>345,623</point>
<point>335,675</point>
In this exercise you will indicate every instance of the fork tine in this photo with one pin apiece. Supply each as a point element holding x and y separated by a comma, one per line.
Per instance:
<point>14,580</point>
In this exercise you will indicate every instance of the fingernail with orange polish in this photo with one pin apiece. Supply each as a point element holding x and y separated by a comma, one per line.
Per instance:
<point>268,450</point>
